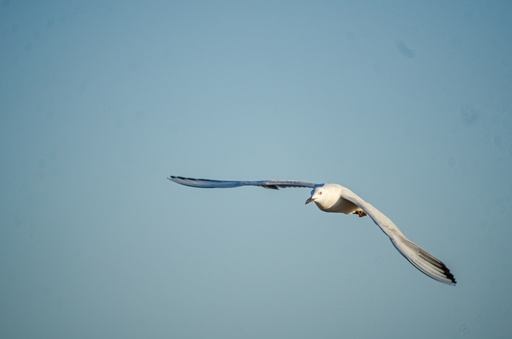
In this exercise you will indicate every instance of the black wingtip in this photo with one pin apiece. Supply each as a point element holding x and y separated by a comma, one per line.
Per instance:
<point>449,275</point>
<point>175,177</point>
<point>446,272</point>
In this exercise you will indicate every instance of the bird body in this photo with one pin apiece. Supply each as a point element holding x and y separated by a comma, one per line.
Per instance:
<point>338,199</point>
<point>331,198</point>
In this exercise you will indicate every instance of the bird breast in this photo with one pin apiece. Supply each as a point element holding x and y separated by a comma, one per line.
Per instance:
<point>340,206</point>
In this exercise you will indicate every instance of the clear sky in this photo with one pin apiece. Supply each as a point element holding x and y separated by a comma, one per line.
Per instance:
<point>409,104</point>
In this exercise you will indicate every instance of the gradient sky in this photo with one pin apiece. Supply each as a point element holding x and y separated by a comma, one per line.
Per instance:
<point>407,104</point>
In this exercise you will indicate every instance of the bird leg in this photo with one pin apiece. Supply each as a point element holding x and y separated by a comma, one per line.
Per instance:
<point>360,213</point>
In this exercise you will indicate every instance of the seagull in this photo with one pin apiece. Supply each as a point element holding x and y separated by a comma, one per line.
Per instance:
<point>335,198</point>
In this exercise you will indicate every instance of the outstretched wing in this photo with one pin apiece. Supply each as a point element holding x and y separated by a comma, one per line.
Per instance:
<point>270,184</point>
<point>421,259</point>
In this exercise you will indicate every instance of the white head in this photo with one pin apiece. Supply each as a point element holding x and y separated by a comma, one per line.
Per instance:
<point>325,196</point>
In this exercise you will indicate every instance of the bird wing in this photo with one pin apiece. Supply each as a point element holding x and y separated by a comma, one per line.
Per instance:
<point>270,184</point>
<point>421,259</point>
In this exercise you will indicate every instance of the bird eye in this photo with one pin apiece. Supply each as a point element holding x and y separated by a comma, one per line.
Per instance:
<point>320,193</point>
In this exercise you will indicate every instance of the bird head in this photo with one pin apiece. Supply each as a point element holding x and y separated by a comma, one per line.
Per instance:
<point>325,196</point>
<point>316,194</point>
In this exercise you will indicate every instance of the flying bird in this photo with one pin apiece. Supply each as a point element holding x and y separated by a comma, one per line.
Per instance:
<point>338,199</point>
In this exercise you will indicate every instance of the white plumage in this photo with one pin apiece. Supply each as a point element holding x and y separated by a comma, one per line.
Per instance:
<point>338,199</point>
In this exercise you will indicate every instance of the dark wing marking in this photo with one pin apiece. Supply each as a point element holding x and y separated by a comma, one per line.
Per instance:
<point>270,184</point>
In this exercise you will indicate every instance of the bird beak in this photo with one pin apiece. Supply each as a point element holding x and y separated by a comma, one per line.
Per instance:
<point>310,199</point>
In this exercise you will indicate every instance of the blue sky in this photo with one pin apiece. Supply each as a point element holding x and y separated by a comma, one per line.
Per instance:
<point>407,104</point>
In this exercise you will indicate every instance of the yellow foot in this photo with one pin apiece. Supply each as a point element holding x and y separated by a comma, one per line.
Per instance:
<point>360,213</point>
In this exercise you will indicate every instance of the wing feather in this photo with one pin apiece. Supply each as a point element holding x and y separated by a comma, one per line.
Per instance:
<point>270,184</point>
<point>418,257</point>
